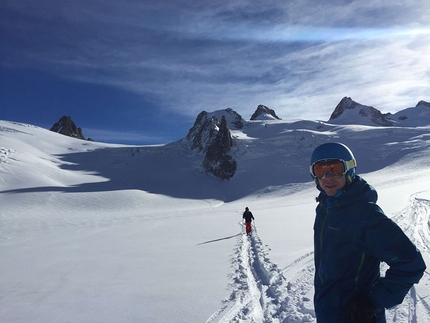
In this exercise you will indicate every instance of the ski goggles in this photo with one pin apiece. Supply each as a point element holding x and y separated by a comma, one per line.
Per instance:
<point>336,167</point>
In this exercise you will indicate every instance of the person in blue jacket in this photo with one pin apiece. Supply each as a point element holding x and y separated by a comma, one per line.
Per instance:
<point>352,235</point>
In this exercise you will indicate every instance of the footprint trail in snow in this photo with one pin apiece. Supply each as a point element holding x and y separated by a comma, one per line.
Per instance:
<point>261,292</point>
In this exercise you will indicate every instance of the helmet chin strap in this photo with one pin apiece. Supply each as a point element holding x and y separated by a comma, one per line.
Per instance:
<point>350,175</point>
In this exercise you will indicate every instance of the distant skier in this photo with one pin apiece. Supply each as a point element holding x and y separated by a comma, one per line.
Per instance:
<point>247,215</point>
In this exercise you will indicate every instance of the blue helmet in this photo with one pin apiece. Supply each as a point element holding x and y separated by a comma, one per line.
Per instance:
<point>335,150</point>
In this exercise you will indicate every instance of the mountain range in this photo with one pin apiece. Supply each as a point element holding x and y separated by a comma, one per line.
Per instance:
<point>350,112</point>
<point>211,132</point>
<point>96,232</point>
<point>207,129</point>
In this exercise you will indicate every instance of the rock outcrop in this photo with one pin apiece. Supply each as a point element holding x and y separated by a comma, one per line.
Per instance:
<point>217,160</point>
<point>206,127</point>
<point>264,113</point>
<point>203,132</point>
<point>350,112</point>
<point>211,135</point>
<point>67,127</point>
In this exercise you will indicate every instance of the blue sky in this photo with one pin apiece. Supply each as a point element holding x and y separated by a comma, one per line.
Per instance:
<point>139,72</point>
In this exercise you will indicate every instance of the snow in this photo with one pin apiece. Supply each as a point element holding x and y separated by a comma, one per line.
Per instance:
<point>230,116</point>
<point>416,116</point>
<point>93,232</point>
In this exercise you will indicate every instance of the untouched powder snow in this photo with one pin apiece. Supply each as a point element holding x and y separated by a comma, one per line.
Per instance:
<point>92,232</point>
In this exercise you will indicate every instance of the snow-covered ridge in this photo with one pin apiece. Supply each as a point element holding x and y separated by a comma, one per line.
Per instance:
<point>350,112</point>
<point>284,145</point>
<point>142,233</point>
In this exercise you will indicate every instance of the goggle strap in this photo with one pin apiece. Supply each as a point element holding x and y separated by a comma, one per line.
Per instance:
<point>350,164</point>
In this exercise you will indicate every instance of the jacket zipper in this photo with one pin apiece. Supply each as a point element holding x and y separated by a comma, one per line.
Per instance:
<point>321,241</point>
<point>360,266</point>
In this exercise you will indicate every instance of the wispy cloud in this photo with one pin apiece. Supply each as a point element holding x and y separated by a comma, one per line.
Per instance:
<point>298,57</point>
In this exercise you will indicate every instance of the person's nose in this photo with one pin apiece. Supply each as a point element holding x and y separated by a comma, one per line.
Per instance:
<point>328,175</point>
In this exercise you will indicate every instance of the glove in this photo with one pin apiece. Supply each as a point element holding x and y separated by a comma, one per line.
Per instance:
<point>360,309</point>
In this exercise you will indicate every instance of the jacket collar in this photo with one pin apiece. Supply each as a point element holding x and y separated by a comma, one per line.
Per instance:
<point>359,189</point>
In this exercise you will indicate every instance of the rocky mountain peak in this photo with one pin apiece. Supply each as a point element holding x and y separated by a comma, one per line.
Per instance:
<point>211,135</point>
<point>350,112</point>
<point>67,127</point>
<point>423,103</point>
<point>217,160</point>
<point>207,126</point>
<point>264,113</point>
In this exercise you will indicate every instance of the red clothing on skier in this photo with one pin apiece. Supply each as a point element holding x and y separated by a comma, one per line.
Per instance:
<point>247,215</point>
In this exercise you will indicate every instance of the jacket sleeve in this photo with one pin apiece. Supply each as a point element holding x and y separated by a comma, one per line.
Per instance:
<point>388,242</point>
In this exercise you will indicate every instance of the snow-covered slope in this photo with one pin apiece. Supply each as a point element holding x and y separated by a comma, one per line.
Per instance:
<point>414,117</point>
<point>92,232</point>
<point>350,112</point>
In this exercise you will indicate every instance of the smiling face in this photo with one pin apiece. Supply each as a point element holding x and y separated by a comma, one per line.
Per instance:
<point>330,184</point>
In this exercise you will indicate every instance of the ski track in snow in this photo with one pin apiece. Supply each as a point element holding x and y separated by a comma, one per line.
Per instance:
<point>5,154</point>
<point>261,292</point>
<point>414,220</point>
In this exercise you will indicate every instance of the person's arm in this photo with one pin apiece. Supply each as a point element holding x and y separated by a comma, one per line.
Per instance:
<point>406,265</point>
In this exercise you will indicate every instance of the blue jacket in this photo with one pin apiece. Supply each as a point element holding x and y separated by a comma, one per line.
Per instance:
<point>352,235</point>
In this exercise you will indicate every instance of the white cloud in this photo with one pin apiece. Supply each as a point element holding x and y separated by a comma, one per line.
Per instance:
<point>197,56</point>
